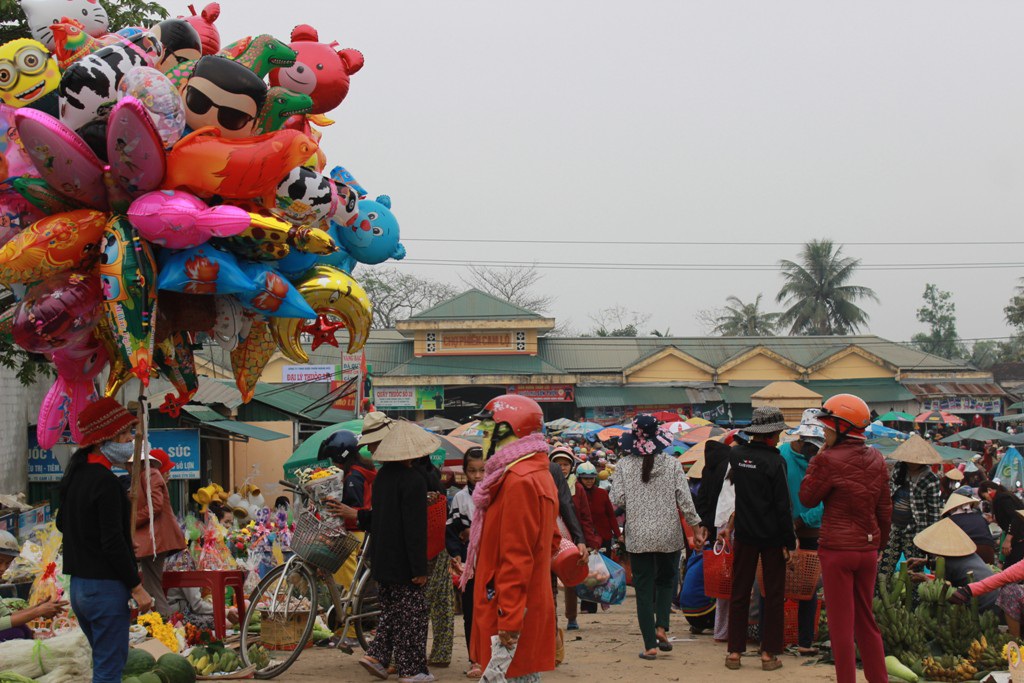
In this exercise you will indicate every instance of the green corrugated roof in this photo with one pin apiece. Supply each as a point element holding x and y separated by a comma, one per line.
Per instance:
<point>213,419</point>
<point>870,390</point>
<point>475,304</point>
<point>607,396</point>
<point>297,404</point>
<point>734,394</point>
<point>475,365</point>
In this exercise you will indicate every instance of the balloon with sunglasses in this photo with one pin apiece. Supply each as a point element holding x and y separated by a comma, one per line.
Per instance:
<point>128,274</point>
<point>224,94</point>
<point>181,43</point>
<point>160,98</point>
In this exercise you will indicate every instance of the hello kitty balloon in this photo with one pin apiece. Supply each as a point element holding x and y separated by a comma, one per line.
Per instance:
<point>41,14</point>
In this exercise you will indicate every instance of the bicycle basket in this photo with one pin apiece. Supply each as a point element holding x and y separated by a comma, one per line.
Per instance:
<point>323,545</point>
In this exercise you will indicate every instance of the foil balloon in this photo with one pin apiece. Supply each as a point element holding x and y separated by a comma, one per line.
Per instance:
<point>14,160</point>
<point>271,238</point>
<point>260,54</point>
<point>27,72</point>
<point>135,153</point>
<point>250,357</point>
<point>77,367</point>
<point>58,312</point>
<point>331,292</point>
<point>280,105</point>
<point>176,362</point>
<point>203,270</point>
<point>341,175</point>
<point>160,99</point>
<point>372,239</point>
<point>120,371</point>
<point>16,214</point>
<point>203,23</point>
<point>305,197</point>
<point>181,43</point>
<point>232,323</point>
<point>179,220</point>
<point>208,164</point>
<point>89,87</point>
<point>296,264</point>
<point>128,273</point>
<point>321,70</point>
<point>62,158</point>
<point>225,95</point>
<point>71,42</point>
<point>39,194</point>
<point>273,295</point>
<point>348,205</point>
<point>53,245</point>
<point>42,14</point>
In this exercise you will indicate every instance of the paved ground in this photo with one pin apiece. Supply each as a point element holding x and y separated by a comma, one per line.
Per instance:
<point>604,649</point>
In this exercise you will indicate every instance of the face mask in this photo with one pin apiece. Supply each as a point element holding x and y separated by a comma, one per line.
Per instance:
<point>117,452</point>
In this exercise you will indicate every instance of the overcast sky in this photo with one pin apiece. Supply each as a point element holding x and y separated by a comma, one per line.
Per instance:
<point>745,121</point>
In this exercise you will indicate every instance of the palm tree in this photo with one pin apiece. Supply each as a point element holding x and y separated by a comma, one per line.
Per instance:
<point>746,320</point>
<point>817,292</point>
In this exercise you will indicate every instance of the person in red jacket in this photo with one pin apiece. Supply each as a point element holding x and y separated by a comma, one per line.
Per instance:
<point>851,479</point>
<point>606,524</point>
<point>567,461</point>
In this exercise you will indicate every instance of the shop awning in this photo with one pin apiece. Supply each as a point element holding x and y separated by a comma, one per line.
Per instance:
<point>214,420</point>
<point>613,396</point>
<point>870,390</point>
<point>1011,419</point>
<point>926,390</point>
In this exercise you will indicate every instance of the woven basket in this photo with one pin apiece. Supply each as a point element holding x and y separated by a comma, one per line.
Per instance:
<point>718,571</point>
<point>277,635</point>
<point>323,545</point>
<point>1016,659</point>
<point>802,575</point>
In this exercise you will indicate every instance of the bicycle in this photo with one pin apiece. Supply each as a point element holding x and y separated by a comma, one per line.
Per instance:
<point>282,609</point>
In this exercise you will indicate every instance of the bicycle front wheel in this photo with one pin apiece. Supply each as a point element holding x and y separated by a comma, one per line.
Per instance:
<point>366,610</point>
<point>279,619</point>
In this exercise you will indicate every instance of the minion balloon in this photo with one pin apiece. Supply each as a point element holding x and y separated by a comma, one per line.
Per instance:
<point>27,72</point>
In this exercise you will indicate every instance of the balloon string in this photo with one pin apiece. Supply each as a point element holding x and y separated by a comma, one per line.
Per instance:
<point>145,460</point>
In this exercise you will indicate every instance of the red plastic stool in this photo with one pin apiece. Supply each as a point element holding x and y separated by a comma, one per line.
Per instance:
<point>216,582</point>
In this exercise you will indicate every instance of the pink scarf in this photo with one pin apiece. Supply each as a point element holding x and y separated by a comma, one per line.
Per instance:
<point>483,495</point>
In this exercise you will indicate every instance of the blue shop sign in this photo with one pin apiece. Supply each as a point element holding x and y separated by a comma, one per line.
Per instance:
<point>183,447</point>
<point>43,465</point>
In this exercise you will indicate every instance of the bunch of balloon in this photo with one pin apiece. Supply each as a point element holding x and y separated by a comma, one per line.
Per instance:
<point>160,190</point>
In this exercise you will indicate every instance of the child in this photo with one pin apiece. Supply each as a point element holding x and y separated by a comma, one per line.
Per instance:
<point>460,518</point>
<point>601,512</point>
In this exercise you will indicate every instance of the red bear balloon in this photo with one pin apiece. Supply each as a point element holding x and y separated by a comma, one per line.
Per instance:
<point>321,71</point>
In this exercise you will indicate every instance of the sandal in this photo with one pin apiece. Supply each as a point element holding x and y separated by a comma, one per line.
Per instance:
<point>733,664</point>
<point>474,671</point>
<point>664,644</point>
<point>374,667</point>
<point>772,664</point>
<point>648,657</point>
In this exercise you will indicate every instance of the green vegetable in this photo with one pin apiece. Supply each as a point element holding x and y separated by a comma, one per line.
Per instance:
<point>11,677</point>
<point>896,668</point>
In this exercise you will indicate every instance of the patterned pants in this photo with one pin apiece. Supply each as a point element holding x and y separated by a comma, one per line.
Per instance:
<point>402,630</point>
<point>901,542</point>
<point>441,600</point>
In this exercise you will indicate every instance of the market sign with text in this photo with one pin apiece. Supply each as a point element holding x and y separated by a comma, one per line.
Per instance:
<point>409,398</point>
<point>43,465</point>
<point>181,444</point>
<point>545,393</point>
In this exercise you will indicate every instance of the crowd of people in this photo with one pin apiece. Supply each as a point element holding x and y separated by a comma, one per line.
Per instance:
<point>535,508</point>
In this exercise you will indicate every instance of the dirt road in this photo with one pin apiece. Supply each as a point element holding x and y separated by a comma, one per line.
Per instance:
<point>604,649</point>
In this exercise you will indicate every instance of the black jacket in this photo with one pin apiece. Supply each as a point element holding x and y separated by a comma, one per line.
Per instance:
<point>716,462</point>
<point>975,526</point>
<point>565,507</point>
<point>764,516</point>
<point>94,517</point>
<point>398,528</point>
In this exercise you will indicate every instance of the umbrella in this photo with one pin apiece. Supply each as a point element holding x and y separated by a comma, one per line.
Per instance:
<point>886,446</point>
<point>666,416</point>
<point>896,416</point>
<point>610,433</point>
<point>698,434</point>
<point>676,427</point>
<point>938,417</point>
<point>438,424</point>
<point>877,430</point>
<point>308,452</point>
<point>579,431</point>
<point>699,422</point>
<point>454,448</point>
<point>1010,470</point>
<point>561,424</point>
<point>983,434</point>
<point>697,452</point>
<point>470,430</point>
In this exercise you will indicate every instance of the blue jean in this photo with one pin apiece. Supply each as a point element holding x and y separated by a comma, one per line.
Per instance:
<point>101,606</point>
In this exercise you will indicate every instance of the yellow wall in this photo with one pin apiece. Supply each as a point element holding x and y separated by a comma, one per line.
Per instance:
<point>263,460</point>
<point>759,367</point>
<point>669,369</point>
<point>851,366</point>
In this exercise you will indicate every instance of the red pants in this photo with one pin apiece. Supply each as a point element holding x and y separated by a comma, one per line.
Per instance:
<point>744,570</point>
<point>849,578</point>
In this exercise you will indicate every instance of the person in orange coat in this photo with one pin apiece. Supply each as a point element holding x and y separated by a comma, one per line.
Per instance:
<point>512,541</point>
<point>154,544</point>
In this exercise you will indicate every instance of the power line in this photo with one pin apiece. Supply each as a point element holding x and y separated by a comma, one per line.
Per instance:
<point>685,243</point>
<point>702,267</point>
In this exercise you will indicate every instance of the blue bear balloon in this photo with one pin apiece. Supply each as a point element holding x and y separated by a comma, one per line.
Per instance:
<point>373,238</point>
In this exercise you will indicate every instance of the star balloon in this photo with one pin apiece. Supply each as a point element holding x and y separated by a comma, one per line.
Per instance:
<point>323,331</point>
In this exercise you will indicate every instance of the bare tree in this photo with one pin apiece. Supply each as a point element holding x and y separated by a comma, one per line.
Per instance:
<point>397,294</point>
<point>708,319</point>
<point>618,321</point>
<point>511,283</point>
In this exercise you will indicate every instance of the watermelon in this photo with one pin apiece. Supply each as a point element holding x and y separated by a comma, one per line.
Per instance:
<point>176,668</point>
<point>151,677</point>
<point>139,662</point>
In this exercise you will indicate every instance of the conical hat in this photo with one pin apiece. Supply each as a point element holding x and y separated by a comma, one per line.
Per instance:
<point>945,538</point>
<point>916,451</point>
<point>406,441</point>
<point>955,501</point>
<point>954,474</point>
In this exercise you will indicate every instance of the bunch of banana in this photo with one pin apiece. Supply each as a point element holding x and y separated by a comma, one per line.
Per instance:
<point>932,592</point>
<point>985,656</point>
<point>225,661</point>
<point>258,656</point>
<point>948,668</point>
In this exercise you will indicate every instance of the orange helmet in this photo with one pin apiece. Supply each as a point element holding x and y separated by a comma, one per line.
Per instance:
<point>846,409</point>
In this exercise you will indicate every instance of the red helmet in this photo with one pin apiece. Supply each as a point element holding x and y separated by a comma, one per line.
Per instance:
<point>848,409</point>
<point>523,415</point>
